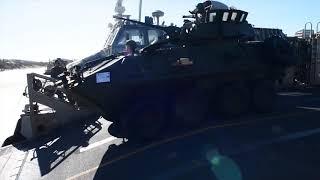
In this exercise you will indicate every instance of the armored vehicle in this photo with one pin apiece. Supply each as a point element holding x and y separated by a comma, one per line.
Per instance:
<point>211,63</point>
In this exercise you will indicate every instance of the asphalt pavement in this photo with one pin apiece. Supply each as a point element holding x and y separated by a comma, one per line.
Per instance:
<point>283,144</point>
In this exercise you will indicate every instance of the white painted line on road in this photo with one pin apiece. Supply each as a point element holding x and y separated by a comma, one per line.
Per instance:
<point>97,144</point>
<point>309,108</point>
<point>294,94</point>
<point>285,138</point>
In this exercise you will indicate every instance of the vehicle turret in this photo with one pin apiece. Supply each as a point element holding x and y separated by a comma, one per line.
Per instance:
<point>219,24</point>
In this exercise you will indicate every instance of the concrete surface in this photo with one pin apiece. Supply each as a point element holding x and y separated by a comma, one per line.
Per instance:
<point>280,145</point>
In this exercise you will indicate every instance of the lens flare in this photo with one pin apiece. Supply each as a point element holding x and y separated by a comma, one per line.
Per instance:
<point>222,166</point>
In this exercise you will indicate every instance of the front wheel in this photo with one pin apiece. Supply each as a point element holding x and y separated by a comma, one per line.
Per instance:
<point>264,96</point>
<point>145,120</point>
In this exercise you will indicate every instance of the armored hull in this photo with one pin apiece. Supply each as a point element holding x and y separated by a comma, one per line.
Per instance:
<point>209,64</point>
<point>172,69</point>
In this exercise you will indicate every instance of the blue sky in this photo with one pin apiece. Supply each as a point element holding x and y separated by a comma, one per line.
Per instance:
<point>45,29</point>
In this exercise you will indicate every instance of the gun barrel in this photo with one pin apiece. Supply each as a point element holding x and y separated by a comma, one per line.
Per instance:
<point>139,22</point>
<point>170,30</point>
<point>188,16</point>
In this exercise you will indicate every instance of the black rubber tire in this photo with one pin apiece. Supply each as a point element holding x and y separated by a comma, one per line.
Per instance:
<point>191,108</point>
<point>234,99</point>
<point>145,120</point>
<point>49,90</point>
<point>264,96</point>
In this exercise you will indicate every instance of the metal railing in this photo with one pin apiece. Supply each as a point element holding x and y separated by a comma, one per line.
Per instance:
<point>318,33</point>
<point>305,30</point>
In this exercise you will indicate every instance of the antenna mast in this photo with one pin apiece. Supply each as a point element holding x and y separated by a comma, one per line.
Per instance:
<point>140,8</point>
<point>119,9</point>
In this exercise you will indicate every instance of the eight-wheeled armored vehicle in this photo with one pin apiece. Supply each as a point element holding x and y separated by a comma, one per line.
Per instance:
<point>211,63</point>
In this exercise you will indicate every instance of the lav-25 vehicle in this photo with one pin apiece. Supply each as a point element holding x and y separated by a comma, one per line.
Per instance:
<point>210,63</point>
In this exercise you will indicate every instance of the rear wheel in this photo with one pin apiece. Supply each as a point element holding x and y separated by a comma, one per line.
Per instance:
<point>191,107</point>
<point>234,99</point>
<point>145,120</point>
<point>264,96</point>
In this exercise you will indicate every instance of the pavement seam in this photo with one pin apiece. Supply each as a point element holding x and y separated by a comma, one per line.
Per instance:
<point>5,164</point>
<point>22,164</point>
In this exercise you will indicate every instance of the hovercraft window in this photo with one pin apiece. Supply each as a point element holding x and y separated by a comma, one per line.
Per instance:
<point>225,16</point>
<point>153,36</point>
<point>131,34</point>
<point>242,17</point>
<point>234,16</point>
<point>212,16</point>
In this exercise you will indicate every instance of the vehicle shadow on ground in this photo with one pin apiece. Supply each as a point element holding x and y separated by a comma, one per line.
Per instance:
<point>181,153</point>
<point>132,160</point>
<point>55,148</point>
<point>247,151</point>
<point>177,155</point>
